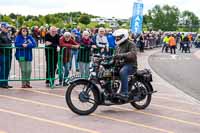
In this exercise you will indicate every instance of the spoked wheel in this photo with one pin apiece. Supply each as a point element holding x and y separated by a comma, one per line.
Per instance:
<point>81,98</point>
<point>142,90</point>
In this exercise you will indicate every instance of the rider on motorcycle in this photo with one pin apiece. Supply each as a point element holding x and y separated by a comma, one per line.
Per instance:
<point>125,50</point>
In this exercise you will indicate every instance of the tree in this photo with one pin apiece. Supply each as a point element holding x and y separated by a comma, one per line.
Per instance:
<point>165,18</point>
<point>47,19</point>
<point>13,16</point>
<point>29,17</point>
<point>84,19</point>
<point>20,20</point>
<point>120,23</point>
<point>6,19</point>
<point>190,21</point>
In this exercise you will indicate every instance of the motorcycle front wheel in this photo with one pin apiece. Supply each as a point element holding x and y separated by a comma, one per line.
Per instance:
<point>81,98</point>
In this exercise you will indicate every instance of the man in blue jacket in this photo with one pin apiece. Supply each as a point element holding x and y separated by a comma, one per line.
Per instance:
<point>111,41</point>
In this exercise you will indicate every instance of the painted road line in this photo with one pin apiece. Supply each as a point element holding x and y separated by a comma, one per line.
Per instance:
<point>175,109</point>
<point>174,57</point>
<point>173,100</point>
<point>177,98</point>
<point>197,54</point>
<point>42,89</point>
<point>33,102</point>
<point>44,93</point>
<point>154,115</point>
<point>96,115</point>
<point>157,97</point>
<point>132,123</point>
<point>161,116</point>
<point>47,121</point>
<point>186,111</point>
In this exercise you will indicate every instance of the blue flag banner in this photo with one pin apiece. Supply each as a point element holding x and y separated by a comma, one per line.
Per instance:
<point>137,18</point>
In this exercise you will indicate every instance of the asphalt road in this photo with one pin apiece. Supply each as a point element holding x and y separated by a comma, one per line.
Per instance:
<point>181,70</point>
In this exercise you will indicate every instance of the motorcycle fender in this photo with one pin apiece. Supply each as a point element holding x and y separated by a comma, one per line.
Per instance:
<point>151,87</point>
<point>90,82</point>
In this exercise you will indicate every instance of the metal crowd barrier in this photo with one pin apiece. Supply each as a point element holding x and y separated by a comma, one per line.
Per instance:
<point>43,58</point>
<point>38,64</point>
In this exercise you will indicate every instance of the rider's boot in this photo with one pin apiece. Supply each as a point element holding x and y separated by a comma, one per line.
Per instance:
<point>123,96</point>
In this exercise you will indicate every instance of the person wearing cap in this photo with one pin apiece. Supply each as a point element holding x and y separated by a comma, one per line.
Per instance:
<point>5,55</point>
<point>66,43</point>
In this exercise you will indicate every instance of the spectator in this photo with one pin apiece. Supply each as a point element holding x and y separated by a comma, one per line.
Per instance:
<point>43,34</point>
<point>172,44</point>
<point>102,41</point>
<point>84,54</point>
<point>111,41</point>
<point>5,55</point>
<point>181,44</point>
<point>74,53</point>
<point>187,43</point>
<point>66,43</point>
<point>190,38</point>
<point>165,43</point>
<point>52,46</point>
<point>36,34</point>
<point>24,43</point>
<point>141,43</point>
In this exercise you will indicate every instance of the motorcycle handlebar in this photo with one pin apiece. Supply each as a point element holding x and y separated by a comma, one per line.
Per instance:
<point>102,56</point>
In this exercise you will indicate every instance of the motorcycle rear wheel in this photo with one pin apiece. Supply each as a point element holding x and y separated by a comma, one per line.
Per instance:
<point>146,97</point>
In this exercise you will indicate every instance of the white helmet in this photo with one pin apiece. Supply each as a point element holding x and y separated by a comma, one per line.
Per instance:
<point>122,33</point>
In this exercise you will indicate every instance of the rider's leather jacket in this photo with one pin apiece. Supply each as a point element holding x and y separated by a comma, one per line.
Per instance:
<point>127,50</point>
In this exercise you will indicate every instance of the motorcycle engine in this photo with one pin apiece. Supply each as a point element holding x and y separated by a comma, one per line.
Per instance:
<point>104,73</point>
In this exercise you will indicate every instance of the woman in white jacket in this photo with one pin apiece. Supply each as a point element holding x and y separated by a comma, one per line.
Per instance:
<point>101,41</point>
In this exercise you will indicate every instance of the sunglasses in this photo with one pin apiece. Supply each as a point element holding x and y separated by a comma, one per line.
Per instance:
<point>24,31</point>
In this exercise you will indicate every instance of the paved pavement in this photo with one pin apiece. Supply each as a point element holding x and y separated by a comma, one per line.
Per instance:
<point>42,110</point>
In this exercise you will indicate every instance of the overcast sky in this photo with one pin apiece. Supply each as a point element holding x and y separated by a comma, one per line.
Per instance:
<point>104,8</point>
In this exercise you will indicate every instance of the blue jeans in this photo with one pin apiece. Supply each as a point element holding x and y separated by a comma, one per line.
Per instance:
<point>5,65</point>
<point>74,52</point>
<point>126,70</point>
<point>64,72</point>
<point>164,46</point>
<point>84,69</point>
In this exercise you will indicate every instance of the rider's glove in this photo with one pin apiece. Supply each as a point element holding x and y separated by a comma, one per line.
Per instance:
<point>118,56</point>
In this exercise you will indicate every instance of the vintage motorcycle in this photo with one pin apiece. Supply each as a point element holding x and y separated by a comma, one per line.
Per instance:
<point>84,95</point>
